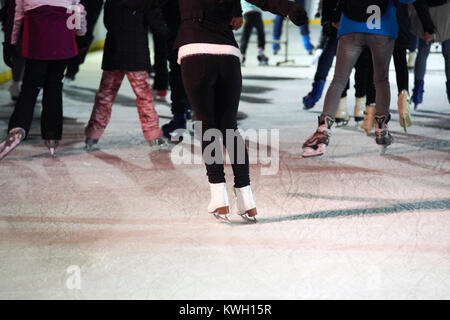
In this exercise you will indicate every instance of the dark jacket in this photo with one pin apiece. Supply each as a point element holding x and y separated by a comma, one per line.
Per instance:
<point>208,21</point>
<point>8,19</point>
<point>127,23</point>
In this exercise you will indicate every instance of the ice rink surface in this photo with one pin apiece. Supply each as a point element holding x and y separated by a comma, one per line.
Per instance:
<point>133,224</point>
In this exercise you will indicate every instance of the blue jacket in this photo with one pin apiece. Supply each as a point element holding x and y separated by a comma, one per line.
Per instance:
<point>388,22</point>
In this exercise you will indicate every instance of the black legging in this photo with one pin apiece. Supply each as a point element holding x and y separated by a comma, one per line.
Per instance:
<point>364,85</point>
<point>253,20</point>
<point>47,75</point>
<point>401,69</point>
<point>213,85</point>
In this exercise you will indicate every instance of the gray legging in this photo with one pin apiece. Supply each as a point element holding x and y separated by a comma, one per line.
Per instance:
<point>349,49</point>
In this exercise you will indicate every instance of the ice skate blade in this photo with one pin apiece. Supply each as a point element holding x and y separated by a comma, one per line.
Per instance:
<point>249,216</point>
<point>222,217</point>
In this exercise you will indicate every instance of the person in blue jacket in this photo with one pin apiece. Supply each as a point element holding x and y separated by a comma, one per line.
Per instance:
<point>361,23</point>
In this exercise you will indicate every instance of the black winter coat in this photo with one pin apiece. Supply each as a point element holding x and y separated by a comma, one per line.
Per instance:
<point>208,21</point>
<point>127,24</point>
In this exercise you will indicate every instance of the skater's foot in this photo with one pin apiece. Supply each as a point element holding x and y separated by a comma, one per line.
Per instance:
<point>404,115</point>
<point>360,108</point>
<point>52,145</point>
<point>89,144</point>
<point>382,135</point>
<point>171,130</point>
<point>342,117</point>
<point>417,96</point>
<point>316,144</point>
<point>219,205</point>
<point>12,140</point>
<point>311,98</point>
<point>369,118</point>
<point>158,144</point>
<point>263,60</point>
<point>246,207</point>
<point>161,95</point>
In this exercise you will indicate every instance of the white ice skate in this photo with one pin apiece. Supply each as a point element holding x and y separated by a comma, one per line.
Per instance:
<point>246,207</point>
<point>404,115</point>
<point>360,108</point>
<point>12,140</point>
<point>369,117</point>
<point>316,144</point>
<point>342,117</point>
<point>52,145</point>
<point>219,205</point>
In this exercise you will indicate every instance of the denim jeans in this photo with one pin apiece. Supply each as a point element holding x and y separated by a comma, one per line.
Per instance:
<point>278,24</point>
<point>326,59</point>
<point>422,56</point>
<point>350,47</point>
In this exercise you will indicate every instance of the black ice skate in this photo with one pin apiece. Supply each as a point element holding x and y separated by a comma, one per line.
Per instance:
<point>382,136</point>
<point>263,60</point>
<point>316,144</point>
<point>89,144</point>
<point>12,140</point>
<point>52,145</point>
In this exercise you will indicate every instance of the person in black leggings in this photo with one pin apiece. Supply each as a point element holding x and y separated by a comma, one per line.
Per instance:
<point>210,67</point>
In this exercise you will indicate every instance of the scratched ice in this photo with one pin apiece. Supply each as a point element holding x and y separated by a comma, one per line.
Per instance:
<point>121,222</point>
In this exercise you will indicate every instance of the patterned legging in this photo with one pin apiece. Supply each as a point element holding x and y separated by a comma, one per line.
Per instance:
<point>109,86</point>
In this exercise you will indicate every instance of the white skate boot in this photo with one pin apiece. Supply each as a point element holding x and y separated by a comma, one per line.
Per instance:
<point>316,144</point>
<point>246,207</point>
<point>369,118</point>
<point>412,59</point>
<point>360,107</point>
<point>12,140</point>
<point>342,117</point>
<point>404,115</point>
<point>219,205</point>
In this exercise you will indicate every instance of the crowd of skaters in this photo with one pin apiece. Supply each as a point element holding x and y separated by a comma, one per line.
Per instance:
<point>197,57</point>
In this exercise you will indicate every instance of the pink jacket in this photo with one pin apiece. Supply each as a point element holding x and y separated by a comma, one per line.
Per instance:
<point>49,28</point>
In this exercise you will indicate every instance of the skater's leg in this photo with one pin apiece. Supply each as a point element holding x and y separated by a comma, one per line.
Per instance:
<point>246,33</point>
<point>361,70</point>
<point>227,94</point>
<point>349,49</point>
<point>421,61</point>
<point>140,82</point>
<point>326,59</point>
<point>101,113</point>
<point>161,82</point>
<point>52,102</point>
<point>401,69</point>
<point>199,77</point>
<point>277,30</point>
<point>446,54</point>
<point>259,24</point>
<point>33,81</point>
<point>382,48</point>
<point>180,103</point>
